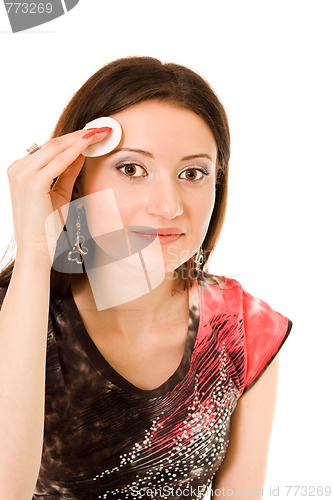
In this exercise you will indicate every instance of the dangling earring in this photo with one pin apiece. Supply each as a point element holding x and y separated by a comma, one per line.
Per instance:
<point>198,259</point>
<point>76,254</point>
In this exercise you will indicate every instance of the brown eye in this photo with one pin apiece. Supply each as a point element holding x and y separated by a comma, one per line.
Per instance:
<point>192,174</point>
<point>130,169</point>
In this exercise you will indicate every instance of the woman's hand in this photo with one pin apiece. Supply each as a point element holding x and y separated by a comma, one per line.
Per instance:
<point>30,180</point>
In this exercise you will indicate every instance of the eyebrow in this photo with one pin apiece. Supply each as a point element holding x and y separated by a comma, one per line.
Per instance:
<point>150,155</point>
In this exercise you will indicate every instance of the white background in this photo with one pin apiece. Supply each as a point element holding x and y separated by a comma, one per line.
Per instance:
<point>271,65</point>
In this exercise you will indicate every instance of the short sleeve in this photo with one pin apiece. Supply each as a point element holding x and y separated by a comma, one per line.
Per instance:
<point>265,331</point>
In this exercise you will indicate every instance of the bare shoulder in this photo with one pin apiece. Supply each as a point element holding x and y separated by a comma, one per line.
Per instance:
<point>246,460</point>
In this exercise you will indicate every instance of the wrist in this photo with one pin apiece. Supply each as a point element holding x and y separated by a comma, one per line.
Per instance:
<point>33,256</point>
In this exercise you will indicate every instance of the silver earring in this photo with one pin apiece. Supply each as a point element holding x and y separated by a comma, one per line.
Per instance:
<point>78,250</point>
<point>198,259</point>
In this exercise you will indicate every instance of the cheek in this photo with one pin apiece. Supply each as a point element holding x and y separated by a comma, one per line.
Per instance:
<point>92,177</point>
<point>200,210</point>
<point>102,213</point>
<point>93,185</point>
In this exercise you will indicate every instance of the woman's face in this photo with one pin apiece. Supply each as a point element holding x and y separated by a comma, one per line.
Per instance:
<point>156,176</point>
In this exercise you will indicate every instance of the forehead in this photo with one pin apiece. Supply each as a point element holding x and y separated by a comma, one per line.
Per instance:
<point>165,126</point>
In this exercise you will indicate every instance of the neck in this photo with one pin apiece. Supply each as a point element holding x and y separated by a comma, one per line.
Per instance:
<point>157,306</point>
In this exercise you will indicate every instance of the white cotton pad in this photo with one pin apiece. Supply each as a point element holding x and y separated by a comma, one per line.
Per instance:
<point>110,142</point>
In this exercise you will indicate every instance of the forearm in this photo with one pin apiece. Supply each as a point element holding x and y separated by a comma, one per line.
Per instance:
<point>23,336</point>
<point>237,489</point>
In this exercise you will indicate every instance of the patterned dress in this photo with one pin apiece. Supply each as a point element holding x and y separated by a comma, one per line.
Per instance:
<point>107,439</point>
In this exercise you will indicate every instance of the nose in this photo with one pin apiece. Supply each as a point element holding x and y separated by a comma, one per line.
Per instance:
<point>164,199</point>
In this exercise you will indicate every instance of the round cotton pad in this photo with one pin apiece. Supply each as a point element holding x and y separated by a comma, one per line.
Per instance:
<point>110,142</point>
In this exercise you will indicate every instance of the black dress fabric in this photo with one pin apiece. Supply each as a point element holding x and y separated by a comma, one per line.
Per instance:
<point>105,438</point>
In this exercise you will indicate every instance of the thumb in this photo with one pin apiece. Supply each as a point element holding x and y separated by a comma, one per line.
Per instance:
<point>64,184</point>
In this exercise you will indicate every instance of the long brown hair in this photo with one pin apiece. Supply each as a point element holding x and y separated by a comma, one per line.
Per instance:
<point>128,81</point>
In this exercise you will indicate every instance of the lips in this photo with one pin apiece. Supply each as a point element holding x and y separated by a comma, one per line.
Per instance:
<point>162,231</point>
<point>162,239</point>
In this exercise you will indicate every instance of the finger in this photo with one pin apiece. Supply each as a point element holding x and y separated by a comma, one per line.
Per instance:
<point>52,148</point>
<point>65,181</point>
<point>66,158</point>
<point>64,141</point>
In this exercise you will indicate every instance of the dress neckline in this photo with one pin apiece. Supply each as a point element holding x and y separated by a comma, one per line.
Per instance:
<point>105,368</point>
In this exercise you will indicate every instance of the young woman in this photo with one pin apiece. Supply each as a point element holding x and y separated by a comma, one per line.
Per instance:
<point>142,396</point>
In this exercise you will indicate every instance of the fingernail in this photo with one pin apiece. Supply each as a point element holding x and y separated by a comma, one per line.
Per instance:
<point>100,129</point>
<point>94,131</point>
